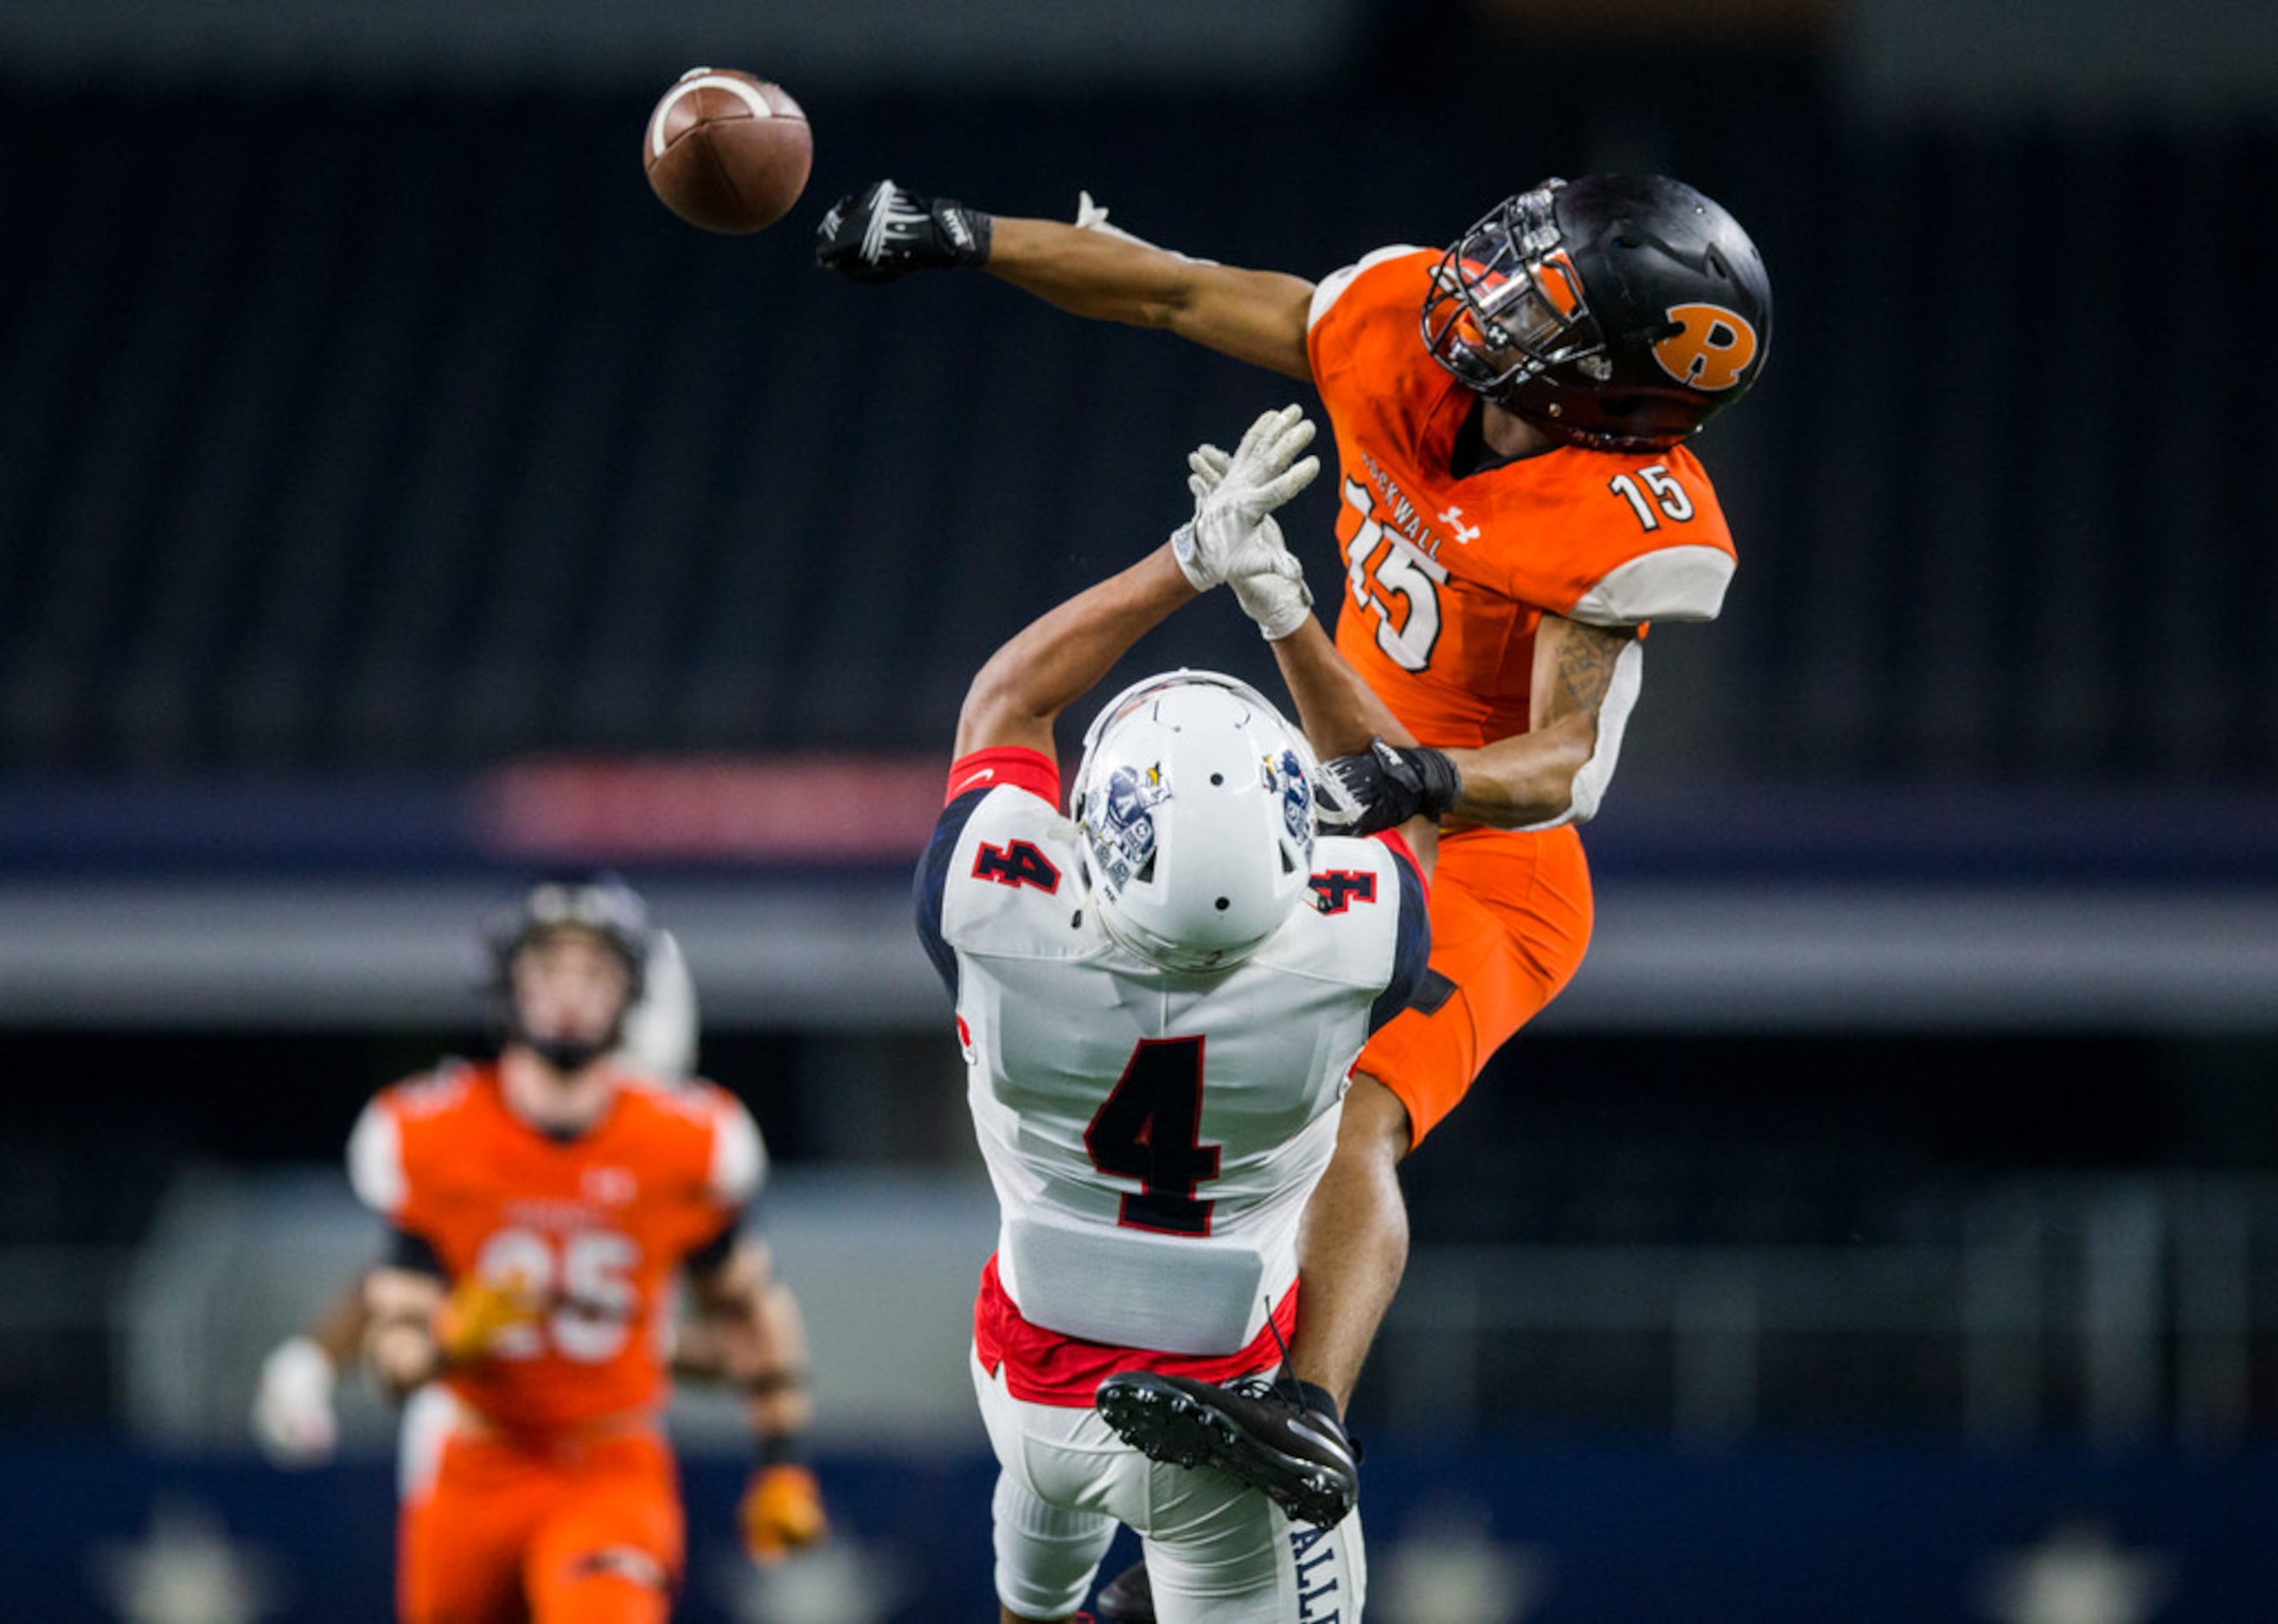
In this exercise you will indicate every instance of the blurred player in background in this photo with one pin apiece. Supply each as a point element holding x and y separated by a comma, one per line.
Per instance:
<point>1517,504</point>
<point>540,1211</point>
<point>1160,995</point>
<point>294,1419</point>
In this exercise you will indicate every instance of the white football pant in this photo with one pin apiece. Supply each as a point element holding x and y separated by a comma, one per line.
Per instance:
<point>1216,1551</point>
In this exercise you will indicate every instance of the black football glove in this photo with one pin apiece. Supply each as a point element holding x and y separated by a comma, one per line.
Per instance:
<point>888,232</point>
<point>1386,785</point>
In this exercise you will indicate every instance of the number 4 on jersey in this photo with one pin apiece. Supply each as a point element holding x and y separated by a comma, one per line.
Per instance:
<point>1150,1129</point>
<point>1018,864</point>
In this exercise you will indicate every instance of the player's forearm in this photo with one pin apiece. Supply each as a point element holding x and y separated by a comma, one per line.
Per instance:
<point>779,1405</point>
<point>1339,711</point>
<point>400,1347</point>
<point>1061,655</point>
<point>763,1352</point>
<point>339,1332</point>
<point>1585,680</point>
<point>1088,273</point>
<point>755,1350</point>
<point>1527,780</point>
<point>778,1402</point>
<point>402,1354</point>
<point>1255,315</point>
<point>750,1333</point>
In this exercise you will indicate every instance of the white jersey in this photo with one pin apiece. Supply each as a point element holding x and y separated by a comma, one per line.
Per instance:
<point>1152,1135</point>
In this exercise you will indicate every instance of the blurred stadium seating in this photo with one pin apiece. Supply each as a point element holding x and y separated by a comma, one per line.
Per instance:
<point>390,431</point>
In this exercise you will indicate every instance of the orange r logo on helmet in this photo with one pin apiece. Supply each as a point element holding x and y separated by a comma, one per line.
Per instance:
<point>1713,349</point>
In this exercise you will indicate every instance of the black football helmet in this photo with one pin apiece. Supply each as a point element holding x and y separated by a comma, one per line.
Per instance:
<point>1617,312</point>
<point>603,904</point>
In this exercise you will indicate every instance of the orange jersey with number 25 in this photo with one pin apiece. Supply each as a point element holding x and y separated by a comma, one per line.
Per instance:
<point>596,1226</point>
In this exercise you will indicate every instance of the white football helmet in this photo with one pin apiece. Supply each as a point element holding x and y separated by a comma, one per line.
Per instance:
<point>1195,804</point>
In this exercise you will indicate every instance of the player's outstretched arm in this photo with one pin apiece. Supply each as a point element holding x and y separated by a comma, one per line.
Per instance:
<point>1088,269</point>
<point>1255,315</point>
<point>1058,658</point>
<point>1231,540</point>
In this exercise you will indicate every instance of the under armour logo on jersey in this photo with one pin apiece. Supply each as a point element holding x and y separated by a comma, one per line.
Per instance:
<point>1711,349</point>
<point>1465,533</point>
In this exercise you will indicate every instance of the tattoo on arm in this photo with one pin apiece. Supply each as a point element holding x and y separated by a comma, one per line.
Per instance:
<point>1584,672</point>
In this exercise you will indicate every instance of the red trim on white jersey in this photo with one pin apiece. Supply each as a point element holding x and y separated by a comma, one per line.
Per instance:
<point>1043,1367</point>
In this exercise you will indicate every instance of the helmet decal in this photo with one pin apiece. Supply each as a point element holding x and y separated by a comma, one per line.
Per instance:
<point>1296,794</point>
<point>1120,818</point>
<point>1712,349</point>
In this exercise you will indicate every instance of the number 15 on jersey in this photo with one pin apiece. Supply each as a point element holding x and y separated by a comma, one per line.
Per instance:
<point>1393,583</point>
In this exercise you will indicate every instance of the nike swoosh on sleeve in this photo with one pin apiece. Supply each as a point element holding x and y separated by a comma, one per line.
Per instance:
<point>982,777</point>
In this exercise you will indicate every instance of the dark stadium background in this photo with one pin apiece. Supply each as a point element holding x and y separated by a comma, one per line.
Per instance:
<point>396,503</point>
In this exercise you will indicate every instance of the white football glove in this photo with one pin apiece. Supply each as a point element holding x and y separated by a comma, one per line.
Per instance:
<point>1233,539</point>
<point>292,1418</point>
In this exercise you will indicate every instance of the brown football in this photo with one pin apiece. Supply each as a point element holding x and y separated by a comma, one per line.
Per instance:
<point>727,151</point>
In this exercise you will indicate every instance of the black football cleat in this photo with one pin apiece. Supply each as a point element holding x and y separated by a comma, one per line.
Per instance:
<point>1127,1598</point>
<point>1256,1431</point>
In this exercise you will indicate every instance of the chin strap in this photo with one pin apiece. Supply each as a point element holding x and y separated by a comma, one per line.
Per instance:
<point>567,1056</point>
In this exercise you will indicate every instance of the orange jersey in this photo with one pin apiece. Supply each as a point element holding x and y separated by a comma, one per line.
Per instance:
<point>598,1225</point>
<point>1447,578</point>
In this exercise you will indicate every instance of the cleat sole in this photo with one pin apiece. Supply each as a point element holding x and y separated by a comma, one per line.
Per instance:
<point>1165,1426</point>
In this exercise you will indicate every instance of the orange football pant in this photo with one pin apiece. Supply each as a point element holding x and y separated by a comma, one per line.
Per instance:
<point>1510,920</point>
<point>516,1532</point>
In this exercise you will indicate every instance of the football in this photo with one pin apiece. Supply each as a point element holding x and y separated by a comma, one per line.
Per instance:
<point>727,151</point>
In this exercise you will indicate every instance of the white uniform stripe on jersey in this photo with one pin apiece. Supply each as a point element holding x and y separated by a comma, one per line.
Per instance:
<point>376,1161</point>
<point>740,1156</point>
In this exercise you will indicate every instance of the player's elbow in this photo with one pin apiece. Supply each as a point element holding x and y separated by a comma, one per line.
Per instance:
<point>1580,789</point>
<point>996,710</point>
